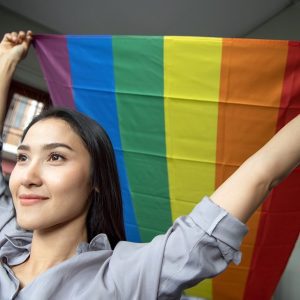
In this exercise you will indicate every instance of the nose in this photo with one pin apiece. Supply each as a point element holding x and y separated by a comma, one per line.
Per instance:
<point>31,175</point>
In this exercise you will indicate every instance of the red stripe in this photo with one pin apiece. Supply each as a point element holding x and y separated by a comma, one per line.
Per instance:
<point>280,220</point>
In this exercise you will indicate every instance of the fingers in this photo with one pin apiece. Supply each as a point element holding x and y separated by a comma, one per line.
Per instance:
<point>29,35</point>
<point>15,45</point>
<point>18,37</point>
<point>11,37</point>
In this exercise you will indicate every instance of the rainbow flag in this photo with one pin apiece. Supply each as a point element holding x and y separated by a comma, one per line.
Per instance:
<point>183,113</point>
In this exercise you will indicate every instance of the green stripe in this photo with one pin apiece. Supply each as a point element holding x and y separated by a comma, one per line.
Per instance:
<point>138,66</point>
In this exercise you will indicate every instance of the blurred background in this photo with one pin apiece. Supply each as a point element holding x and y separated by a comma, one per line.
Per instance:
<point>267,19</point>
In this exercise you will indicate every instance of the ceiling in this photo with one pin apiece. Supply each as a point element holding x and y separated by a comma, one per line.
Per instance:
<point>230,18</point>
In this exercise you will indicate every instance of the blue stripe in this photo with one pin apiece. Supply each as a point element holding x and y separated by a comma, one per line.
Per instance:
<point>92,73</point>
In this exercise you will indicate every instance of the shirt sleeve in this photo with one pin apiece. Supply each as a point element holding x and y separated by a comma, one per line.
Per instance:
<point>8,223</point>
<point>200,246</point>
<point>196,247</point>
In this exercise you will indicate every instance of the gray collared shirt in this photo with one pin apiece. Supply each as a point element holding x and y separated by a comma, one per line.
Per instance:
<point>197,246</point>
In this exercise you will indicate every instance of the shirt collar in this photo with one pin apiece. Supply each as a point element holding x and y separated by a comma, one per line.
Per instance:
<point>17,247</point>
<point>99,242</point>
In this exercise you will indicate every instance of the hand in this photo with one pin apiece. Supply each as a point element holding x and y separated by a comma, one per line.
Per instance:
<point>14,46</point>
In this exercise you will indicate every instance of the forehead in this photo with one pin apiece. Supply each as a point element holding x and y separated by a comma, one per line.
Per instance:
<point>51,130</point>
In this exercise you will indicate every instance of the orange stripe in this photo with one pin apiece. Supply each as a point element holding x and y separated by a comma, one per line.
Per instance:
<point>251,83</point>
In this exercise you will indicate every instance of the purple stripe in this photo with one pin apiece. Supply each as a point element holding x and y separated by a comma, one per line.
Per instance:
<point>53,56</point>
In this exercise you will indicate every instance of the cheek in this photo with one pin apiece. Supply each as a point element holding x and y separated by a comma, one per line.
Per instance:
<point>14,181</point>
<point>67,182</point>
<point>68,188</point>
<point>68,191</point>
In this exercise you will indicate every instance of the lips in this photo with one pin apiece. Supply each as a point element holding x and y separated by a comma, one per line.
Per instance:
<point>30,199</point>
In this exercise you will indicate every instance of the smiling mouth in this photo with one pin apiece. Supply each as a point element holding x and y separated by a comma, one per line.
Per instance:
<point>31,199</point>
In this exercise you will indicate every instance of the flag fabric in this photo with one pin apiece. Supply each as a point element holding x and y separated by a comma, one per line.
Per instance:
<point>183,114</point>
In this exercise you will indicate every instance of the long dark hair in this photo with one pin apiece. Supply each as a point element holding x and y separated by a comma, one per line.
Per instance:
<point>105,213</point>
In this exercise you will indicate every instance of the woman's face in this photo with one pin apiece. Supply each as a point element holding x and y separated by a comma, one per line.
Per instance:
<point>50,183</point>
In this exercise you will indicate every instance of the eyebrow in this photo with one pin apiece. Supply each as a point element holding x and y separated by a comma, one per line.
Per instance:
<point>46,147</point>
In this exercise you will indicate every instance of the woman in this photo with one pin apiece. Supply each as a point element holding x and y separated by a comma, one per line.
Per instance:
<point>75,250</point>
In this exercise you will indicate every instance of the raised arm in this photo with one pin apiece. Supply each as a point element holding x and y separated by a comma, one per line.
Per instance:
<point>246,189</point>
<point>13,47</point>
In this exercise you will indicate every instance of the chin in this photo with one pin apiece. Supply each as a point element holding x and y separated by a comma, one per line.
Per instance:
<point>30,219</point>
<point>29,225</point>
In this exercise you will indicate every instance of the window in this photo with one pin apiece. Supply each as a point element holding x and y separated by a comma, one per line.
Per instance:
<point>24,103</point>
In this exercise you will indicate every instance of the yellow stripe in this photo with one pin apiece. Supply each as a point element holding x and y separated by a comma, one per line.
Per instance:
<point>191,84</point>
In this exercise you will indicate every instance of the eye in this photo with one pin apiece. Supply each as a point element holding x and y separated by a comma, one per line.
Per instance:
<point>21,157</point>
<point>55,157</point>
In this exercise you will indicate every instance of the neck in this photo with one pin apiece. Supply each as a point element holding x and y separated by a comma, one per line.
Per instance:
<point>55,245</point>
